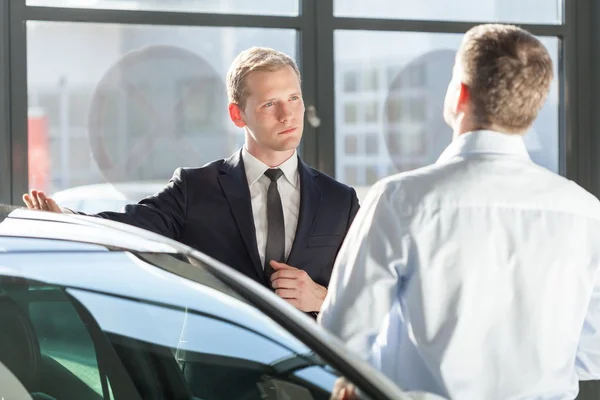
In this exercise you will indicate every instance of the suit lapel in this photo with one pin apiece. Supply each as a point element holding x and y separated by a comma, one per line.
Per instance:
<point>234,184</point>
<point>310,196</point>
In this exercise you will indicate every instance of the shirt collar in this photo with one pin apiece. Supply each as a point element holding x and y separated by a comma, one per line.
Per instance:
<point>485,142</point>
<point>256,168</point>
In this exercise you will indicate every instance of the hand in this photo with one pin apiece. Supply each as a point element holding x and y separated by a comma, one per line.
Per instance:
<point>343,390</point>
<point>38,201</point>
<point>297,288</point>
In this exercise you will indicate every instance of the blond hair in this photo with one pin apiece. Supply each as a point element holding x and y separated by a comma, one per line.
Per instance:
<point>508,72</point>
<point>250,60</point>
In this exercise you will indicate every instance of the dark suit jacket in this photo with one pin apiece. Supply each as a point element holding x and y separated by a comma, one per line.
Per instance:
<point>209,209</point>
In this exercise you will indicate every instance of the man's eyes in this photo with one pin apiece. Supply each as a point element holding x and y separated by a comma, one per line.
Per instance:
<point>272,103</point>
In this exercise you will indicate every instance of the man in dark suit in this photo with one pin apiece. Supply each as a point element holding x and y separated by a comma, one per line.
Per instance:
<point>263,211</point>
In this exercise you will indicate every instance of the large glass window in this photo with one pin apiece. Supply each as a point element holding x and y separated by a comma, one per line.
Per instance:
<point>408,130</point>
<point>524,11</point>
<point>130,104</point>
<point>73,68</point>
<point>260,7</point>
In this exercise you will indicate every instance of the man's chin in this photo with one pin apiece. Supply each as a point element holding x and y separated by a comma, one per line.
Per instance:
<point>290,143</point>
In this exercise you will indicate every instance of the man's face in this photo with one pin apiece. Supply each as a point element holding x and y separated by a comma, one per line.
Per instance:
<point>274,111</point>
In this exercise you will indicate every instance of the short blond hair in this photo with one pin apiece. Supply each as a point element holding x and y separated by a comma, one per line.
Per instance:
<point>250,60</point>
<point>508,72</point>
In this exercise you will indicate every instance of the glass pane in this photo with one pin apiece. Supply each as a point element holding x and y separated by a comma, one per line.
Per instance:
<point>400,120</point>
<point>211,352</point>
<point>129,104</point>
<point>521,11</point>
<point>194,339</point>
<point>63,337</point>
<point>257,7</point>
<point>195,352</point>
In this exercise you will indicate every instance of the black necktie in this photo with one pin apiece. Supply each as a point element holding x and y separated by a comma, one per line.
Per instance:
<point>275,226</point>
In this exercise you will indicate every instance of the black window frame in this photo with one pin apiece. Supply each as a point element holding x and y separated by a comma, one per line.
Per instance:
<point>315,24</point>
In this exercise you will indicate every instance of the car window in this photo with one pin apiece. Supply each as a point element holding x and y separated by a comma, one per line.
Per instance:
<point>163,351</point>
<point>63,337</point>
<point>209,351</point>
<point>56,355</point>
<point>139,277</point>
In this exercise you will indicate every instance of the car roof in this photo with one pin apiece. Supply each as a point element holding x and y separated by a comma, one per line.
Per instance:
<point>79,230</point>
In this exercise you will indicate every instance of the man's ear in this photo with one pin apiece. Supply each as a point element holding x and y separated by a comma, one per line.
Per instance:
<point>463,97</point>
<point>235,113</point>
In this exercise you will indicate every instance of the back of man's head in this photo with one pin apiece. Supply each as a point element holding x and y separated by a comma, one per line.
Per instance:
<point>508,72</point>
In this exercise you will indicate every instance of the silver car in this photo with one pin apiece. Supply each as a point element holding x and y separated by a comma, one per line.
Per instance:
<point>94,309</point>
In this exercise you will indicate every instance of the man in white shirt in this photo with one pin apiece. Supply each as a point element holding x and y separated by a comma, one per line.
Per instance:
<point>262,211</point>
<point>477,277</point>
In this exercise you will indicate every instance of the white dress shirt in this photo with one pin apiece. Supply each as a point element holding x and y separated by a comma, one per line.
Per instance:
<point>474,278</point>
<point>289,190</point>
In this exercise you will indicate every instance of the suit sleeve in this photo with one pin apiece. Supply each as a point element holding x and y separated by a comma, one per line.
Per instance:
<point>367,274</point>
<point>587,363</point>
<point>163,213</point>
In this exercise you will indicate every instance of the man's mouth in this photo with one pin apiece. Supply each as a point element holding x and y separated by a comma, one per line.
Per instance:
<point>287,131</point>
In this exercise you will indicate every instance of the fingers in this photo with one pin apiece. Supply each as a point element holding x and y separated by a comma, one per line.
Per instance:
<point>279,265</point>
<point>27,200</point>
<point>286,293</point>
<point>344,394</point>
<point>350,392</point>
<point>285,273</point>
<point>37,200</point>
<point>343,390</point>
<point>284,283</point>
<point>338,392</point>
<point>52,206</point>
<point>48,203</point>
<point>42,201</point>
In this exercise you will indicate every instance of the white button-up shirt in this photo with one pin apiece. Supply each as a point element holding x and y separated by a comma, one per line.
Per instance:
<point>474,278</point>
<point>288,186</point>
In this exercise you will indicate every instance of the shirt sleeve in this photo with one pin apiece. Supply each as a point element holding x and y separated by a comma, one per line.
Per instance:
<point>368,271</point>
<point>587,364</point>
